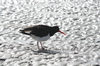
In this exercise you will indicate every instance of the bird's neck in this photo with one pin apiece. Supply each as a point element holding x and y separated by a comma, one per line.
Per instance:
<point>52,32</point>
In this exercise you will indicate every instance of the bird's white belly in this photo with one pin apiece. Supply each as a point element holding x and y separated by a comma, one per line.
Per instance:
<point>40,38</point>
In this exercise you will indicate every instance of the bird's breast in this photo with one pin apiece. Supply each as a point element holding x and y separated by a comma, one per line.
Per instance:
<point>44,38</point>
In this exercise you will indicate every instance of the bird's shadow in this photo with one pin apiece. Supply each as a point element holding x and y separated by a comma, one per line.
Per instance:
<point>47,51</point>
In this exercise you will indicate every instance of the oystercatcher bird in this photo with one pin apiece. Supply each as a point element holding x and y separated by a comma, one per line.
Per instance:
<point>41,33</point>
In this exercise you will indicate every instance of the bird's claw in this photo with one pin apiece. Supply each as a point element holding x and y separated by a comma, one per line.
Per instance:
<point>43,48</point>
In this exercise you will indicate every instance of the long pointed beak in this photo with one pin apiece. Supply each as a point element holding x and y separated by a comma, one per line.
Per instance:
<point>61,32</point>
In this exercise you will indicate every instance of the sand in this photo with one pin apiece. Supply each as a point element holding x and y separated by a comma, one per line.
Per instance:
<point>79,19</point>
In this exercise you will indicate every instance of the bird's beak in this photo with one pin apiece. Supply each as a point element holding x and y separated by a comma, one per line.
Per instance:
<point>61,32</point>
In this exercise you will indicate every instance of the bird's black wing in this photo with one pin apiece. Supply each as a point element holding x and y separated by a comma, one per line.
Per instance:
<point>40,30</point>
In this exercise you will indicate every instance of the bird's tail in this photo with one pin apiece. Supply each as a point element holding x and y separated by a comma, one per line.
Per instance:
<point>25,32</point>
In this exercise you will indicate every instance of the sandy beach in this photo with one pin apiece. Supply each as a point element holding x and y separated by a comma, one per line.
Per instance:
<point>79,19</point>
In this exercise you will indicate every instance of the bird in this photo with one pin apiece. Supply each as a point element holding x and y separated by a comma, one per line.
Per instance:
<point>41,33</point>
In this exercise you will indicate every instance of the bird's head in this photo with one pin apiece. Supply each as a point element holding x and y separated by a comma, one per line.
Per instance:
<point>56,29</point>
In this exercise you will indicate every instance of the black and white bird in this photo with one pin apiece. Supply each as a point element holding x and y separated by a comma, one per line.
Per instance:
<point>41,33</point>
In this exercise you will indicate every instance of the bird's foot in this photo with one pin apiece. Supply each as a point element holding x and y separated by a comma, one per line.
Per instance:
<point>43,48</point>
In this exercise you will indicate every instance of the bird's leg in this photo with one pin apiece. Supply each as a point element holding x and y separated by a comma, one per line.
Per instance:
<point>42,46</point>
<point>38,45</point>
